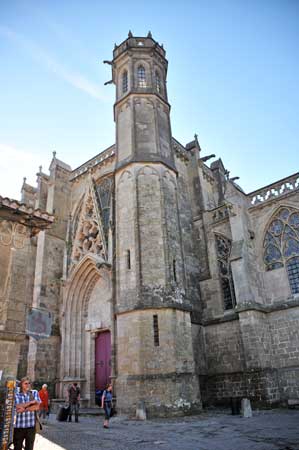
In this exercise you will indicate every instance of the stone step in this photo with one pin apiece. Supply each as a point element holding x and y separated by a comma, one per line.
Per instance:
<point>293,402</point>
<point>84,411</point>
<point>91,412</point>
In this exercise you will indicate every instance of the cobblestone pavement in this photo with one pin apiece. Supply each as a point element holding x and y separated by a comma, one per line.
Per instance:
<point>213,430</point>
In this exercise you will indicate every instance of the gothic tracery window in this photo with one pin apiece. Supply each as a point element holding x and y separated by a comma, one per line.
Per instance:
<point>141,76</point>
<point>125,81</point>
<point>104,192</point>
<point>223,246</point>
<point>281,245</point>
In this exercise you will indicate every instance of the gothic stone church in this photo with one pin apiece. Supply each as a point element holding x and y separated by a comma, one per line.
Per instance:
<point>160,272</point>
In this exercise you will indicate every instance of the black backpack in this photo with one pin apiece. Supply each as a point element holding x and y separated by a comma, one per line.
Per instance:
<point>98,397</point>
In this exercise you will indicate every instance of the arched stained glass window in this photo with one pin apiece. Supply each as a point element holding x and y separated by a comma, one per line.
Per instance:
<point>141,76</point>
<point>223,246</point>
<point>125,81</point>
<point>281,245</point>
<point>158,82</point>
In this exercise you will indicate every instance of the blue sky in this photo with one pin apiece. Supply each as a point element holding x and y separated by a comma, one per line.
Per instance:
<point>233,79</point>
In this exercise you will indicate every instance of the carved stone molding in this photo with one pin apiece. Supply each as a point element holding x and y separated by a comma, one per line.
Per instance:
<point>13,234</point>
<point>92,225</point>
<point>88,237</point>
<point>273,191</point>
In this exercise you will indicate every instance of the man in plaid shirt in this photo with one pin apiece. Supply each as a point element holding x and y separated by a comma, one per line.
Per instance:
<point>27,403</point>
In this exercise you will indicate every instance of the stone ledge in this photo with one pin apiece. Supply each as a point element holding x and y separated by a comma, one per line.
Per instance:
<point>293,403</point>
<point>159,376</point>
<point>12,336</point>
<point>154,306</point>
<point>248,306</point>
<point>226,318</point>
<point>293,303</point>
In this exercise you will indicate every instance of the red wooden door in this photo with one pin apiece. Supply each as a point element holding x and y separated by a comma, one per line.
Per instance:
<point>103,359</point>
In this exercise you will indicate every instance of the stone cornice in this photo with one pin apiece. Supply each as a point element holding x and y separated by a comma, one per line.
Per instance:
<point>6,335</point>
<point>214,321</point>
<point>279,306</point>
<point>15,211</point>
<point>250,306</point>
<point>98,160</point>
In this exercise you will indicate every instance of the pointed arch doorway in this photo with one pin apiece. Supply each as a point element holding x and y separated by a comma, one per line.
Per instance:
<point>102,359</point>
<point>86,328</point>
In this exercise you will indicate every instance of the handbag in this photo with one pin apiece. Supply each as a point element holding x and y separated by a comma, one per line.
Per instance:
<point>38,425</point>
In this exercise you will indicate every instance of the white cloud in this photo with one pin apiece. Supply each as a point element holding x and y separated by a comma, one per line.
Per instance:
<point>15,164</point>
<point>41,56</point>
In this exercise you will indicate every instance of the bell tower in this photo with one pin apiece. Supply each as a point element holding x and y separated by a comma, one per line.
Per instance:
<point>155,362</point>
<point>141,109</point>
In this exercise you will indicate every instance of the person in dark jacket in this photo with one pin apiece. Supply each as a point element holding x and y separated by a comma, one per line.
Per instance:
<point>74,401</point>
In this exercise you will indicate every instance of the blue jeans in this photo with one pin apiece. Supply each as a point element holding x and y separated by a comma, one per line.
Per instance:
<point>107,409</point>
<point>42,413</point>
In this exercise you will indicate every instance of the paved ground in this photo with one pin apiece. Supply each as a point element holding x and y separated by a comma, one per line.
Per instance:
<point>213,430</point>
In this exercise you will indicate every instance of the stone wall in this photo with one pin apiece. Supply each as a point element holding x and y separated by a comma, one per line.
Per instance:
<point>23,358</point>
<point>9,355</point>
<point>260,386</point>
<point>152,252</point>
<point>223,347</point>
<point>163,374</point>
<point>257,358</point>
<point>284,327</point>
<point>17,257</point>
<point>43,354</point>
<point>288,379</point>
<point>256,338</point>
<point>126,240</point>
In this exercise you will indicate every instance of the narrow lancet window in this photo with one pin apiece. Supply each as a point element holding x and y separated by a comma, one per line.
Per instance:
<point>125,82</point>
<point>128,260</point>
<point>158,82</point>
<point>156,330</point>
<point>174,270</point>
<point>141,77</point>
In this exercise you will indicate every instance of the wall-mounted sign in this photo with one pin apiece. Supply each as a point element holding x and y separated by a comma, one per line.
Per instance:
<point>39,323</point>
